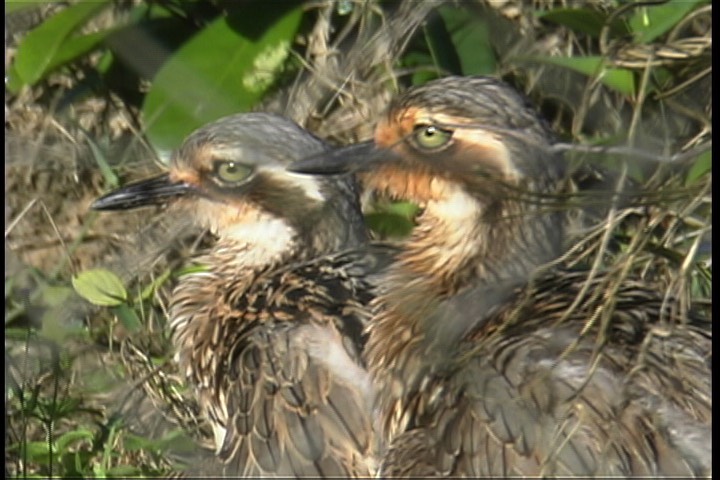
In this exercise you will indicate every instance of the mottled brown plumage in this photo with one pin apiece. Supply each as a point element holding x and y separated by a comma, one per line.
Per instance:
<point>489,361</point>
<point>269,330</point>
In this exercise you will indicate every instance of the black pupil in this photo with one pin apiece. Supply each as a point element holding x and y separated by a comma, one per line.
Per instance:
<point>231,167</point>
<point>430,131</point>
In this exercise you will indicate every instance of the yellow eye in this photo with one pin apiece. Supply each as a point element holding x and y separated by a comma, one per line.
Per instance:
<point>430,137</point>
<point>232,172</point>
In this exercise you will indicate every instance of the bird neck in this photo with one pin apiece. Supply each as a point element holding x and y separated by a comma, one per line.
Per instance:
<point>254,246</point>
<point>204,313</point>
<point>462,240</point>
<point>461,262</point>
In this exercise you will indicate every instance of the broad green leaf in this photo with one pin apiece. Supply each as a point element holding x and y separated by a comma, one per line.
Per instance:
<point>128,317</point>
<point>150,37</point>
<point>75,47</point>
<point>100,287</point>
<point>226,68</point>
<point>702,166</point>
<point>38,50</point>
<point>389,225</point>
<point>585,20</point>
<point>441,47</point>
<point>470,41</point>
<point>13,82</point>
<point>405,209</point>
<point>618,79</point>
<point>392,219</point>
<point>650,21</point>
<point>16,6</point>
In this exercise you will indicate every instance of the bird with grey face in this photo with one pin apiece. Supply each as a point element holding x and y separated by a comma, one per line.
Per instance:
<point>269,332</point>
<point>486,359</point>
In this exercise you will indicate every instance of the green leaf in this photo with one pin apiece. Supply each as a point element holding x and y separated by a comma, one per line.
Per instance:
<point>128,317</point>
<point>99,470</point>
<point>175,438</point>
<point>36,452</point>
<point>100,287</point>
<point>618,79</point>
<point>470,41</point>
<point>190,269</point>
<point>75,47</point>
<point>389,225</point>
<point>16,6</point>
<point>392,219</point>
<point>441,47</point>
<point>13,82</point>
<point>649,22</point>
<point>68,438</point>
<point>403,209</point>
<point>110,178</point>
<point>701,167</point>
<point>226,68</point>
<point>37,53</point>
<point>148,291</point>
<point>585,20</point>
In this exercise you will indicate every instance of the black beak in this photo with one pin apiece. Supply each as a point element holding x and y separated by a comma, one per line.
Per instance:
<point>152,191</point>
<point>352,158</point>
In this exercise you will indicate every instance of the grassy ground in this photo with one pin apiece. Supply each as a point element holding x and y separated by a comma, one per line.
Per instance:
<point>92,391</point>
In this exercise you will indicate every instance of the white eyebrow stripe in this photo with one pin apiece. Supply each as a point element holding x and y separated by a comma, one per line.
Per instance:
<point>309,183</point>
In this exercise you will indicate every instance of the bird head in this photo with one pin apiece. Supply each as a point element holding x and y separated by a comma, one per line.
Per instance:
<point>477,159</point>
<point>230,177</point>
<point>462,130</point>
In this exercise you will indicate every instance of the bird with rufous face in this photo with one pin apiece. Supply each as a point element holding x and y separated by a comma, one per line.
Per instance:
<point>488,359</point>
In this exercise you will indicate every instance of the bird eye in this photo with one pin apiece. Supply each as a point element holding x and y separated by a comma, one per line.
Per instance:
<point>232,172</point>
<point>430,137</point>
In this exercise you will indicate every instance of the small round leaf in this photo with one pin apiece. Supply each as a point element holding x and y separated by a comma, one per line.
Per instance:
<point>100,287</point>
